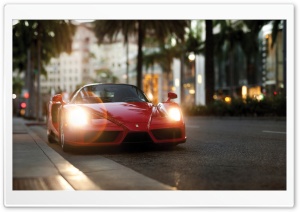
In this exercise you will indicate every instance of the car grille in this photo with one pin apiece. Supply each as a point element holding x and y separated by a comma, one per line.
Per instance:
<point>170,133</point>
<point>104,136</point>
<point>137,137</point>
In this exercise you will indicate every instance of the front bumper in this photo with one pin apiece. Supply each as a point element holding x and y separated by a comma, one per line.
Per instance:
<point>106,133</point>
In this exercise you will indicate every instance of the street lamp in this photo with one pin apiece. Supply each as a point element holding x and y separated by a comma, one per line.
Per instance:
<point>244,92</point>
<point>192,57</point>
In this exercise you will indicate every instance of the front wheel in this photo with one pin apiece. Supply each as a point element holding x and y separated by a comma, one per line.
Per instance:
<point>50,138</point>
<point>63,144</point>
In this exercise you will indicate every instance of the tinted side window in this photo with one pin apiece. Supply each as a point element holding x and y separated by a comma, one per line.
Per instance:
<point>141,96</point>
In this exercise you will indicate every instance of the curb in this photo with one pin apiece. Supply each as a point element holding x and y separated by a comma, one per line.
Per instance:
<point>71,174</point>
<point>98,172</point>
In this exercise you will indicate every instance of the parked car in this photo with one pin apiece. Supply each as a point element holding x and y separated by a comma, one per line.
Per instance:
<point>113,114</point>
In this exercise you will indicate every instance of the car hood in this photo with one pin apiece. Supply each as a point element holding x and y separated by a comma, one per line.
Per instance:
<point>135,112</point>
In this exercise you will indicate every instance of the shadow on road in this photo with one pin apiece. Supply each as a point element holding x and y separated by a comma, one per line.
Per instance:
<point>128,148</point>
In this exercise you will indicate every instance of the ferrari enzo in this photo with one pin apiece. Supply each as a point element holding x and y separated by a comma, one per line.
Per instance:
<point>113,114</point>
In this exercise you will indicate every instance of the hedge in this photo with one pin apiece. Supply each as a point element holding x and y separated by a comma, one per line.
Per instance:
<point>275,106</point>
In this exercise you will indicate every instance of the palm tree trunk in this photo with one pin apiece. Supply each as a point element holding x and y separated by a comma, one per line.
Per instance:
<point>231,70</point>
<point>38,108</point>
<point>32,90</point>
<point>27,83</point>
<point>276,68</point>
<point>284,56</point>
<point>141,34</point>
<point>182,97</point>
<point>168,77</point>
<point>209,62</point>
<point>127,60</point>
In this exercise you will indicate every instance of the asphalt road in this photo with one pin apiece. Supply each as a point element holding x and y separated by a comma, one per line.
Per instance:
<point>220,154</point>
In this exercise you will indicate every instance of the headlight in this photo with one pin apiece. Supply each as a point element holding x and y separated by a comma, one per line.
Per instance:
<point>77,117</point>
<point>174,113</point>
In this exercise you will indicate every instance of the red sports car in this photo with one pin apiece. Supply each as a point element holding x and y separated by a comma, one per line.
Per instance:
<point>113,114</point>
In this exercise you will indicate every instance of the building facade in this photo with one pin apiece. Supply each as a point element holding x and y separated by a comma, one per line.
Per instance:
<point>236,76</point>
<point>88,63</point>
<point>110,62</point>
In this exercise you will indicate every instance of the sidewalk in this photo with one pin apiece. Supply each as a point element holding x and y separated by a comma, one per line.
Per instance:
<point>38,167</point>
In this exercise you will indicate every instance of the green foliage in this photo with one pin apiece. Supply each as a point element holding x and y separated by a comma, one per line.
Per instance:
<point>54,36</point>
<point>275,106</point>
<point>18,84</point>
<point>106,76</point>
<point>193,41</point>
<point>279,105</point>
<point>142,29</point>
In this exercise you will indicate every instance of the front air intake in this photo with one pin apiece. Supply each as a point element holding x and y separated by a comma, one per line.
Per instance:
<point>101,137</point>
<point>164,134</point>
<point>137,137</point>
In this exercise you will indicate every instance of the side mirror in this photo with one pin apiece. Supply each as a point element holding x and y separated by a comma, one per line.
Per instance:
<point>171,95</point>
<point>57,98</point>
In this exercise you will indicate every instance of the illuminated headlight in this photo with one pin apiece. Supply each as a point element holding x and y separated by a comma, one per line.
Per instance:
<point>174,113</point>
<point>77,117</point>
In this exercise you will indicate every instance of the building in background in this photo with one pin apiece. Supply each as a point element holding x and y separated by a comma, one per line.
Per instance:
<point>68,71</point>
<point>272,64</point>
<point>88,63</point>
<point>259,77</point>
<point>262,77</point>
<point>116,62</point>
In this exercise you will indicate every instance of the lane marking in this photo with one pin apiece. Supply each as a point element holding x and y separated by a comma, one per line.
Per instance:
<point>266,131</point>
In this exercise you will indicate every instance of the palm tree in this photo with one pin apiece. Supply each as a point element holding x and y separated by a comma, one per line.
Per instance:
<point>54,36</point>
<point>163,56</point>
<point>209,62</point>
<point>140,28</point>
<point>41,39</point>
<point>232,36</point>
<point>18,84</point>
<point>250,46</point>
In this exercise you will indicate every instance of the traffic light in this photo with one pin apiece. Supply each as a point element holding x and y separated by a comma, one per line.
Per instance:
<point>23,105</point>
<point>26,95</point>
<point>22,108</point>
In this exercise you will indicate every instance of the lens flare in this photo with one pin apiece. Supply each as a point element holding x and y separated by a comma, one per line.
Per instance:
<point>174,113</point>
<point>78,117</point>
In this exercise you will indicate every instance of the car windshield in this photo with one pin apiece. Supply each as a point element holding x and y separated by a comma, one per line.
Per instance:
<point>101,93</point>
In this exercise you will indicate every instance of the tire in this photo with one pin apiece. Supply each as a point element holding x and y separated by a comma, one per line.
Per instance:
<point>62,142</point>
<point>50,138</point>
